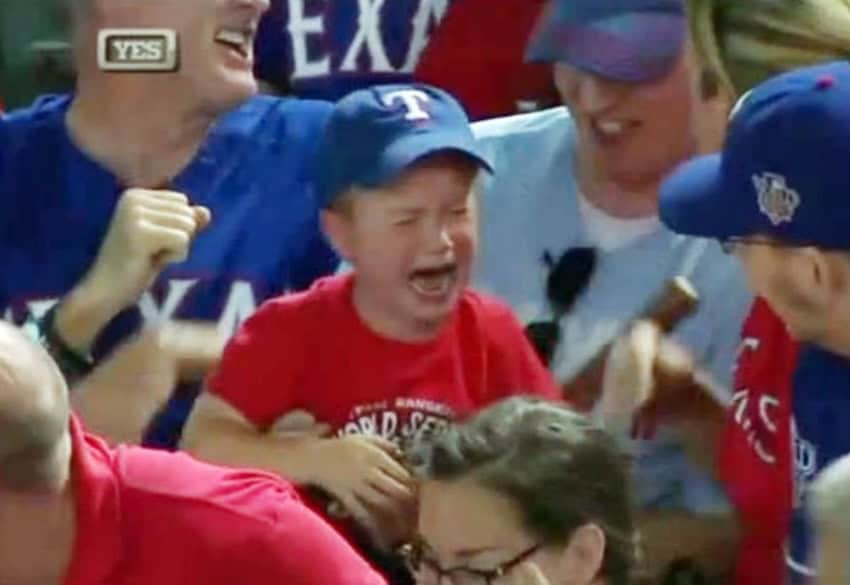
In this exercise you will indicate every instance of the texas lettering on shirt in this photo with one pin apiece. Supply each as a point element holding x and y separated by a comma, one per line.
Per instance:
<point>240,302</point>
<point>322,47</point>
<point>755,459</point>
<point>756,412</point>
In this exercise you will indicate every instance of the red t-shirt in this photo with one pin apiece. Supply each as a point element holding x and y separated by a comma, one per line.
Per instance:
<point>311,351</point>
<point>149,517</point>
<point>477,53</point>
<point>755,459</point>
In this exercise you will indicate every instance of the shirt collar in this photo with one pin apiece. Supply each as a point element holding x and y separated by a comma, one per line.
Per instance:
<point>98,543</point>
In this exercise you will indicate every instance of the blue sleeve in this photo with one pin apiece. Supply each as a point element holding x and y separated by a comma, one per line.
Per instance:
<point>319,260</point>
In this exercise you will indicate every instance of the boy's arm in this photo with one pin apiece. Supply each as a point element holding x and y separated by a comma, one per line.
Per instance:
<point>219,433</point>
<point>363,473</point>
<point>251,388</point>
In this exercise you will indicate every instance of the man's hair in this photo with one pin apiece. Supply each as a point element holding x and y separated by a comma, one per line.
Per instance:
<point>742,43</point>
<point>560,470</point>
<point>33,408</point>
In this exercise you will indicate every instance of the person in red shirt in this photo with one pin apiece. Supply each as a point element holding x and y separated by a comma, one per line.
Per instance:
<point>75,511</point>
<point>397,346</point>
<point>749,443</point>
<point>489,78</point>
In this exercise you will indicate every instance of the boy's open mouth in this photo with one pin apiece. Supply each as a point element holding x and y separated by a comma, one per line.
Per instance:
<point>434,282</point>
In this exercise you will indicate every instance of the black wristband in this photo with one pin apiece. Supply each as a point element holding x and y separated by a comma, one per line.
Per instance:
<point>72,364</point>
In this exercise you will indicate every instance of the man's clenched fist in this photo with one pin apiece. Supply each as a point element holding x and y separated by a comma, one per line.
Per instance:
<point>149,230</point>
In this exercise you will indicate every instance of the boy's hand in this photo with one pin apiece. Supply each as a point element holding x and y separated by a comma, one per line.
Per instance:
<point>365,475</point>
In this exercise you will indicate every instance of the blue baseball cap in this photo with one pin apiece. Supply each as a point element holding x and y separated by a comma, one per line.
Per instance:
<point>625,40</point>
<point>375,134</point>
<point>784,170</point>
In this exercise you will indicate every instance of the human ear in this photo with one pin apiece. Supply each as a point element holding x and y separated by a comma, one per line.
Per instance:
<point>583,555</point>
<point>337,226</point>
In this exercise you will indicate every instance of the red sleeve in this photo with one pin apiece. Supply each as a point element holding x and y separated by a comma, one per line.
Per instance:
<point>513,365</point>
<point>301,548</point>
<point>260,368</point>
<point>464,42</point>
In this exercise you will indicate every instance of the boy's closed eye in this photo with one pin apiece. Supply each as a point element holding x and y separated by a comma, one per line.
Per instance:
<point>405,220</point>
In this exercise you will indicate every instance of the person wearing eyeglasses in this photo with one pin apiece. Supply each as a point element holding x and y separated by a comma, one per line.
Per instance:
<point>776,196</point>
<point>571,238</point>
<point>526,492</point>
<point>749,441</point>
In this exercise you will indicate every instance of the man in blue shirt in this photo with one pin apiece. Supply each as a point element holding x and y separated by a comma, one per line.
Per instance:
<point>777,195</point>
<point>105,196</point>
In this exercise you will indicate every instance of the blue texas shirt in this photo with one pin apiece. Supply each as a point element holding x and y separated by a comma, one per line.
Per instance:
<point>821,435</point>
<point>254,172</point>
<point>328,48</point>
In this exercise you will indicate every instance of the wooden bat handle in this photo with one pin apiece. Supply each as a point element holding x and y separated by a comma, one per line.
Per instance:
<point>676,301</point>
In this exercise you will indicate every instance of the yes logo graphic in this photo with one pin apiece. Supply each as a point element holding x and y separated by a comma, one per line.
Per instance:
<point>137,49</point>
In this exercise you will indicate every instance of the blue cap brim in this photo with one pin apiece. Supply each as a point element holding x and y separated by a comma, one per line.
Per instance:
<point>694,201</point>
<point>411,149</point>
<point>633,47</point>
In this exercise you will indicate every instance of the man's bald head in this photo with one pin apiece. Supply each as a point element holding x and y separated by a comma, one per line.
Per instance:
<point>34,413</point>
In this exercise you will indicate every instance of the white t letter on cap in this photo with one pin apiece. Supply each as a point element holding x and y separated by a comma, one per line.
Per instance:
<point>412,99</point>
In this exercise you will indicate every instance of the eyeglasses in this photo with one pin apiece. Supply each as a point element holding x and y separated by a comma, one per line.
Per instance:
<point>568,278</point>
<point>429,572</point>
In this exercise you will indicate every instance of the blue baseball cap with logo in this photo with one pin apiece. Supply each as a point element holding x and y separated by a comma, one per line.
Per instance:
<point>377,133</point>
<point>784,171</point>
<point>634,41</point>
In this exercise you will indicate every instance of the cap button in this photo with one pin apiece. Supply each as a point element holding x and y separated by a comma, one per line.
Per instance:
<point>825,82</point>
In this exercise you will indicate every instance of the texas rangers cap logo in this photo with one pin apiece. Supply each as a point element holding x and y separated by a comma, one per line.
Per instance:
<point>413,100</point>
<point>776,199</point>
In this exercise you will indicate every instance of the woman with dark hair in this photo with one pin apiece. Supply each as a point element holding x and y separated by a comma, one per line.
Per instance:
<point>524,492</point>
